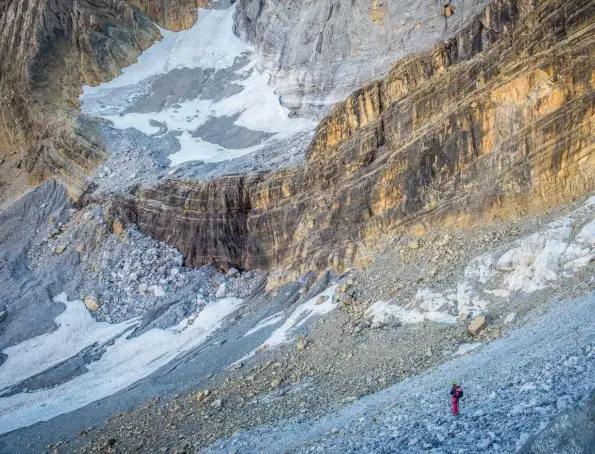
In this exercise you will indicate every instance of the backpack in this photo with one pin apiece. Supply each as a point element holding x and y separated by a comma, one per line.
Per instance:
<point>458,392</point>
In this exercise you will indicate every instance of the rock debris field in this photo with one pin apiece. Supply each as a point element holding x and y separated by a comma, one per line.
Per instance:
<point>513,388</point>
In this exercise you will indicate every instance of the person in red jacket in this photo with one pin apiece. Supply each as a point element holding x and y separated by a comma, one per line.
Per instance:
<point>456,392</point>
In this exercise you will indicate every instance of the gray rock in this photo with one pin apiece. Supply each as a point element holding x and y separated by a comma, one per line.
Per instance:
<point>571,432</point>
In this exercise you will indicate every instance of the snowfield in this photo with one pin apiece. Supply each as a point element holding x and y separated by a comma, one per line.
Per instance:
<point>124,361</point>
<point>203,77</point>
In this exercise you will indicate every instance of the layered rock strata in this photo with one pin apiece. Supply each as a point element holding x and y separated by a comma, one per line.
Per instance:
<point>48,48</point>
<point>492,123</point>
<point>174,15</point>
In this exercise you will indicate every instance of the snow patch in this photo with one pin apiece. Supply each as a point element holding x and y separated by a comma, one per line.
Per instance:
<point>123,363</point>
<point>384,312</point>
<point>301,314</point>
<point>265,322</point>
<point>211,45</point>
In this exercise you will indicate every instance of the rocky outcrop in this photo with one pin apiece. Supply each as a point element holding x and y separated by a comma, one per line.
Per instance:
<point>48,48</point>
<point>320,51</point>
<point>173,15</point>
<point>490,124</point>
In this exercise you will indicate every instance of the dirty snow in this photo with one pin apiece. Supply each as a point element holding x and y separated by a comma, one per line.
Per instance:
<point>124,362</point>
<point>301,314</point>
<point>211,45</point>
<point>265,322</point>
<point>532,263</point>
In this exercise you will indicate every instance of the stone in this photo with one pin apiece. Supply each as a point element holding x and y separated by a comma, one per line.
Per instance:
<point>321,299</point>
<point>61,248</point>
<point>275,383</point>
<point>92,303</point>
<point>80,248</point>
<point>3,315</point>
<point>216,403</point>
<point>463,316</point>
<point>301,344</point>
<point>117,227</point>
<point>143,288</point>
<point>221,291</point>
<point>413,244</point>
<point>156,290</point>
<point>174,272</point>
<point>477,324</point>
<point>233,272</point>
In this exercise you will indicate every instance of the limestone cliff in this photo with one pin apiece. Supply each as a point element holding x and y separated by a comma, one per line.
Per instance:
<point>48,48</point>
<point>492,123</point>
<point>173,15</point>
<point>320,51</point>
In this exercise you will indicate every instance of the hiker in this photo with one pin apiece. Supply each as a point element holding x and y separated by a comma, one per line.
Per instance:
<point>456,392</point>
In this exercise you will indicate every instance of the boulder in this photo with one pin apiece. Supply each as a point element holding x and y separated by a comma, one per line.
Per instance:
<point>92,303</point>
<point>61,248</point>
<point>477,324</point>
<point>118,227</point>
<point>221,291</point>
<point>413,244</point>
<point>3,315</point>
<point>233,272</point>
<point>321,299</point>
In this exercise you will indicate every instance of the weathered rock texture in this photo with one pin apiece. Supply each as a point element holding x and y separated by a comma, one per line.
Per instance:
<point>321,50</point>
<point>174,15</point>
<point>48,48</point>
<point>572,432</point>
<point>496,121</point>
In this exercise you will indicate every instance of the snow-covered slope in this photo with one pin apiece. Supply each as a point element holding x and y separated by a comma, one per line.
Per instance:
<point>201,87</point>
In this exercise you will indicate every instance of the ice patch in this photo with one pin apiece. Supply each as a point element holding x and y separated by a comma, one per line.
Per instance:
<point>123,363</point>
<point>265,322</point>
<point>384,312</point>
<point>301,314</point>
<point>466,348</point>
<point>211,45</point>
<point>535,260</point>
<point>76,331</point>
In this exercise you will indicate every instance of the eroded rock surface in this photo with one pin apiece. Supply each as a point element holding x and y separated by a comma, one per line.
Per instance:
<point>321,50</point>
<point>492,123</point>
<point>48,49</point>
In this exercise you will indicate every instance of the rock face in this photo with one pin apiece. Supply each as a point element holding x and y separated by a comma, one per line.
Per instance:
<point>321,50</point>
<point>174,15</point>
<point>492,123</point>
<point>48,48</point>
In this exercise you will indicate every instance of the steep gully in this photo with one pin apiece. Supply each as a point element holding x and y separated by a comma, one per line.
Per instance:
<point>493,123</point>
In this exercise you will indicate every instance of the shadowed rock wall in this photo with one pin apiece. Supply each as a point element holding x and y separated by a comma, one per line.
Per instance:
<point>48,48</point>
<point>497,121</point>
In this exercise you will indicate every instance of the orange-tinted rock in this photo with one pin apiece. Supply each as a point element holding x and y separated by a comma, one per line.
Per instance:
<point>490,124</point>
<point>173,15</point>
